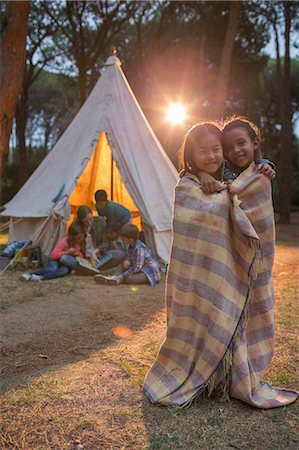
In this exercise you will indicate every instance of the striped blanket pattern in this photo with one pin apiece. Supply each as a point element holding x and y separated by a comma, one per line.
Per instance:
<point>219,297</point>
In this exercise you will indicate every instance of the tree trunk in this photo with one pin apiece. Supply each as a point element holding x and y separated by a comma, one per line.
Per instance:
<point>21,123</point>
<point>82,65</point>
<point>78,42</point>
<point>286,157</point>
<point>279,82</point>
<point>226,59</point>
<point>82,80</point>
<point>12,63</point>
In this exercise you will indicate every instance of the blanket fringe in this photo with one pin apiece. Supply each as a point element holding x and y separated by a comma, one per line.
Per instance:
<point>222,388</point>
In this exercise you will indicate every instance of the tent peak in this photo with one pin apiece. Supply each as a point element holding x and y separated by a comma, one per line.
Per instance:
<point>113,61</point>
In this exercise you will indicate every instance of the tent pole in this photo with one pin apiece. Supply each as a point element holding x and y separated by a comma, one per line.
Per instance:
<point>111,178</point>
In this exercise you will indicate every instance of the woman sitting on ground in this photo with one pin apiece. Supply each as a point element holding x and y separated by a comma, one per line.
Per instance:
<point>99,237</point>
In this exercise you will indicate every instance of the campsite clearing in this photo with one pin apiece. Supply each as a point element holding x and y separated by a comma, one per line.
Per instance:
<point>108,145</point>
<point>74,355</point>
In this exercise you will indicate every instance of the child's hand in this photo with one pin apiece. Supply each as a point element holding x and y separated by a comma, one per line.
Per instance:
<point>94,259</point>
<point>267,170</point>
<point>126,263</point>
<point>231,189</point>
<point>71,251</point>
<point>208,183</point>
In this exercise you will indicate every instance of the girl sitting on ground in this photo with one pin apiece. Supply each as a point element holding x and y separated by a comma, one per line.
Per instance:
<point>71,245</point>
<point>85,220</point>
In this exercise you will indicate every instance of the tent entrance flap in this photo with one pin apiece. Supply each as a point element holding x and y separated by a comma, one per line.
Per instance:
<point>101,172</point>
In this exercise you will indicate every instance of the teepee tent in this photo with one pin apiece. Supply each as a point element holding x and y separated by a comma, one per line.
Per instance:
<point>109,145</point>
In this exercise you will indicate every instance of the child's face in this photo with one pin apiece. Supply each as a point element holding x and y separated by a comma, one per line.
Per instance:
<point>209,155</point>
<point>111,234</point>
<point>128,241</point>
<point>101,203</point>
<point>238,147</point>
<point>87,221</point>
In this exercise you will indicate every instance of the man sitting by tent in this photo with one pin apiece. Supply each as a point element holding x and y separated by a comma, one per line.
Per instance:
<point>115,213</point>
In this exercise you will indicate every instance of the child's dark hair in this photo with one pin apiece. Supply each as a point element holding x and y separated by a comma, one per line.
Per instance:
<point>100,195</point>
<point>73,231</point>
<point>83,211</point>
<point>253,131</point>
<point>191,142</point>
<point>113,227</point>
<point>129,231</point>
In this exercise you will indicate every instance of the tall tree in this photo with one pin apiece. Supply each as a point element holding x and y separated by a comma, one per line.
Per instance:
<point>14,23</point>
<point>86,31</point>
<point>226,58</point>
<point>38,55</point>
<point>286,158</point>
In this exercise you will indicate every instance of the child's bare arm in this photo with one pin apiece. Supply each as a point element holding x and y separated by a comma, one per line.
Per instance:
<point>267,170</point>
<point>208,183</point>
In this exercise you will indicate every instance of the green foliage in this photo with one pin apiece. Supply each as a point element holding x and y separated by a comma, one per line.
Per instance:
<point>51,98</point>
<point>170,50</point>
<point>164,442</point>
<point>127,367</point>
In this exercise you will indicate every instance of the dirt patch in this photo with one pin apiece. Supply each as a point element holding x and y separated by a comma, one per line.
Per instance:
<point>56,322</point>
<point>74,355</point>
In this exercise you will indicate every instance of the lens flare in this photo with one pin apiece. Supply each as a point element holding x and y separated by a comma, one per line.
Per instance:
<point>122,331</point>
<point>134,288</point>
<point>176,113</point>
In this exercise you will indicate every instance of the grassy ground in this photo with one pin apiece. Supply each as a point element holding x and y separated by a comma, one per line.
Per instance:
<point>74,361</point>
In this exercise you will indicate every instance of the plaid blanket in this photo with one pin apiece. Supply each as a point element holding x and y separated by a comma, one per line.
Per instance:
<point>219,297</point>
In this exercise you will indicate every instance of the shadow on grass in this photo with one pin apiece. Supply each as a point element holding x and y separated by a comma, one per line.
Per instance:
<point>59,322</point>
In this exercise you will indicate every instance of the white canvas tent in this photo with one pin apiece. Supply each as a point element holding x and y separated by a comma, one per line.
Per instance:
<point>109,145</point>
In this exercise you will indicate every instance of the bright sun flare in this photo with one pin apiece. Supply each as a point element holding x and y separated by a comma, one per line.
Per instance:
<point>176,113</point>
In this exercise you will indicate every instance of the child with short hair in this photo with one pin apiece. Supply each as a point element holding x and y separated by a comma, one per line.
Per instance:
<point>141,265</point>
<point>114,212</point>
<point>113,249</point>
<point>114,238</point>
<point>71,245</point>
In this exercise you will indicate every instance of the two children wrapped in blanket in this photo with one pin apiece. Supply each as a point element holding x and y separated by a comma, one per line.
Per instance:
<point>219,301</point>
